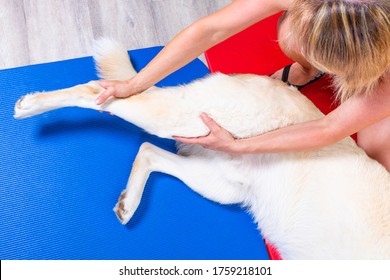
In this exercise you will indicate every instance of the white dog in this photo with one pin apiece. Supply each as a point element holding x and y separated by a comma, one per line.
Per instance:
<point>332,203</point>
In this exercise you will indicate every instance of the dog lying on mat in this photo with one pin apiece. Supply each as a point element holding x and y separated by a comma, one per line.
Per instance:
<point>331,203</point>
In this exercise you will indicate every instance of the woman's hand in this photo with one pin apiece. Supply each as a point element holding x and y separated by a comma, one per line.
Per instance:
<point>218,139</point>
<point>120,89</point>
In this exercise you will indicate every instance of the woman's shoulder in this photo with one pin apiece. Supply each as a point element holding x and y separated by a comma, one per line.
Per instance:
<point>380,97</point>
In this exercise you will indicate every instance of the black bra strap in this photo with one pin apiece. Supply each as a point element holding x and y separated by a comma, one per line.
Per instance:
<point>286,72</point>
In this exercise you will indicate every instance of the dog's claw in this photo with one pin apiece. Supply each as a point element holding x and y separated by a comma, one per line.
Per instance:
<point>19,102</point>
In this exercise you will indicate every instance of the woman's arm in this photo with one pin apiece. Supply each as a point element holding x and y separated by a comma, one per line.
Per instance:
<point>193,41</point>
<point>352,116</point>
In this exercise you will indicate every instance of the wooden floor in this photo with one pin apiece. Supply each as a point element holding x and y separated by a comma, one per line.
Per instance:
<point>37,31</point>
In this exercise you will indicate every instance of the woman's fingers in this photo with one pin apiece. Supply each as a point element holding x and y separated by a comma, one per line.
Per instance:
<point>109,91</point>
<point>210,123</point>
<point>191,140</point>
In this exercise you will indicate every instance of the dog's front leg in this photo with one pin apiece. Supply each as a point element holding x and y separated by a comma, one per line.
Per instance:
<point>195,172</point>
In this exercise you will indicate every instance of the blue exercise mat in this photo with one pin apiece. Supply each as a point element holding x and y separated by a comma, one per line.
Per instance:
<point>62,172</point>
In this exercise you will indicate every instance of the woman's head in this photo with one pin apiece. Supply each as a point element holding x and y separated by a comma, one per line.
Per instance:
<point>349,39</point>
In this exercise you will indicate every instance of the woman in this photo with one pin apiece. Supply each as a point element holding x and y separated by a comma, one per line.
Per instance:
<point>348,39</point>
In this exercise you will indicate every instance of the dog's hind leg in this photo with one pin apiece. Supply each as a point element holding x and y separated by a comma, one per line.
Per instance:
<point>195,172</point>
<point>165,112</point>
<point>40,102</point>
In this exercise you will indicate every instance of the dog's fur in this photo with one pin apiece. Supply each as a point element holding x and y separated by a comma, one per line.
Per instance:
<point>332,203</point>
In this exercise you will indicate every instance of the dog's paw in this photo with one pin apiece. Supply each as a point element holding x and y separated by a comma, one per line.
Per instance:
<point>123,209</point>
<point>24,107</point>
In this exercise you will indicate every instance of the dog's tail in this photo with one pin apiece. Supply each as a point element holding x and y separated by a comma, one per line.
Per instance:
<point>112,60</point>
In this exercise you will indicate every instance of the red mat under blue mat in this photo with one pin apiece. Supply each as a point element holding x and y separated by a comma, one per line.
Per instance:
<point>62,172</point>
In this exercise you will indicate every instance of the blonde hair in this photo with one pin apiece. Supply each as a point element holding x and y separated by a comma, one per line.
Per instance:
<point>349,39</point>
